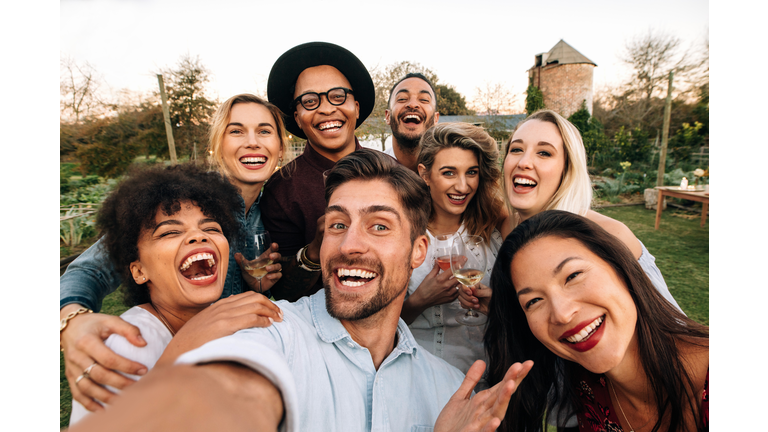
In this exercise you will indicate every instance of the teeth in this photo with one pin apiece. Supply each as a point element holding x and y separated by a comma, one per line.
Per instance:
<point>525,181</point>
<point>201,278</point>
<point>412,116</point>
<point>197,257</point>
<point>260,159</point>
<point>329,125</point>
<point>342,272</point>
<point>586,331</point>
<point>456,197</point>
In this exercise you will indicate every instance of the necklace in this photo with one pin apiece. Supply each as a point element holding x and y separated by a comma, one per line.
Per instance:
<point>162,318</point>
<point>631,429</point>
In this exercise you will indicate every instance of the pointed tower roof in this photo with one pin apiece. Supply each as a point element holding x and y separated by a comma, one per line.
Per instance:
<point>562,53</point>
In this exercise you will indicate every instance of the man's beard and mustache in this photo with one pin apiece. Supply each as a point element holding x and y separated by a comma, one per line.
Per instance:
<point>409,141</point>
<point>361,309</point>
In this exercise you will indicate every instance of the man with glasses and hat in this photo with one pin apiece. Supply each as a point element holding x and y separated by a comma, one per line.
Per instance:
<point>325,92</point>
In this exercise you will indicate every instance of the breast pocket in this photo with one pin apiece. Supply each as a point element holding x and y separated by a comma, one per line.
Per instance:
<point>422,429</point>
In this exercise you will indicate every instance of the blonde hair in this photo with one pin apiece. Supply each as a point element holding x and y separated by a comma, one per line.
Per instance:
<point>219,123</point>
<point>575,192</point>
<point>484,210</point>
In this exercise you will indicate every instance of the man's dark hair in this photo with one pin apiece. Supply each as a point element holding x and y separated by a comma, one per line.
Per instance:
<point>131,208</point>
<point>366,164</point>
<point>418,75</point>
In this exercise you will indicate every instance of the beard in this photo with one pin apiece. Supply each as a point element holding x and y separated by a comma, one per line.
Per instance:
<point>352,307</point>
<point>409,141</point>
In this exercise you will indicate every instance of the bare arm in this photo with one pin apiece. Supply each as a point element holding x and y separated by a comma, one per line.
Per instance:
<point>213,396</point>
<point>223,318</point>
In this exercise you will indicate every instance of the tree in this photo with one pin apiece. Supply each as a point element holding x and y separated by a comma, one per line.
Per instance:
<point>450,101</point>
<point>189,106</point>
<point>652,56</point>
<point>383,80</point>
<point>78,84</point>
<point>591,130</point>
<point>534,98</point>
<point>493,98</point>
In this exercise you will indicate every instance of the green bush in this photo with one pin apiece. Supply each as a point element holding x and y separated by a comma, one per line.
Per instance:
<point>94,193</point>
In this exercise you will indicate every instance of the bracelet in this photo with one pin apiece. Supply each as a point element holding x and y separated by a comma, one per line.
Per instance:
<point>65,321</point>
<point>304,262</point>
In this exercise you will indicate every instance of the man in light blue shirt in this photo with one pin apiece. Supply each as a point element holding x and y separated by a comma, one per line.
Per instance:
<point>341,359</point>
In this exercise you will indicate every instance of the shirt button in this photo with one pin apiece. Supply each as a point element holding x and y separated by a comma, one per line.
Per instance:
<point>350,344</point>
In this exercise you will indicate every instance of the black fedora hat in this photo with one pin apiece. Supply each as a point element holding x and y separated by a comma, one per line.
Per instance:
<point>285,71</point>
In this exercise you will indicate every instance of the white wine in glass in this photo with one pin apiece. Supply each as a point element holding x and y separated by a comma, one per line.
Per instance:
<point>256,255</point>
<point>468,259</point>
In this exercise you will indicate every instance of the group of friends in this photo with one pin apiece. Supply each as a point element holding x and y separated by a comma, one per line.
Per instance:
<point>582,331</point>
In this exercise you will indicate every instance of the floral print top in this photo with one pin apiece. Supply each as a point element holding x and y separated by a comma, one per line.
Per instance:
<point>598,414</point>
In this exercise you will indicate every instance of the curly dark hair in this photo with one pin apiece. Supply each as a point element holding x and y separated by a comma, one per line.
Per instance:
<point>131,208</point>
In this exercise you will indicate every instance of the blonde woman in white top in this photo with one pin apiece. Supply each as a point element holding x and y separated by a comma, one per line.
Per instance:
<point>459,163</point>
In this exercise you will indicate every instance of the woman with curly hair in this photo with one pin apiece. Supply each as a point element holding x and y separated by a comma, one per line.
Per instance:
<point>166,230</point>
<point>458,161</point>
<point>246,142</point>
<point>573,298</point>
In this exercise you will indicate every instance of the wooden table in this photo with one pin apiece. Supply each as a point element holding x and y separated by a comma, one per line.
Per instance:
<point>676,192</point>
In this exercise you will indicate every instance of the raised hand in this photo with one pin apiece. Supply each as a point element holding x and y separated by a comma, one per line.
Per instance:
<point>83,344</point>
<point>485,411</point>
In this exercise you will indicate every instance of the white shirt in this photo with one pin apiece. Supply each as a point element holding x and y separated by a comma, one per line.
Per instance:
<point>436,329</point>
<point>328,381</point>
<point>152,330</point>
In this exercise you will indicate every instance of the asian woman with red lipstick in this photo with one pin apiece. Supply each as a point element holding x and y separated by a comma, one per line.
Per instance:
<point>572,297</point>
<point>166,230</point>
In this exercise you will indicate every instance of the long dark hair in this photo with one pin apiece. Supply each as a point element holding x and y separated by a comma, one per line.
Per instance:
<point>660,329</point>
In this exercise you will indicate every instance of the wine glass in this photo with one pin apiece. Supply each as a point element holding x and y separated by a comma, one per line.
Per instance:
<point>443,244</point>
<point>256,254</point>
<point>468,261</point>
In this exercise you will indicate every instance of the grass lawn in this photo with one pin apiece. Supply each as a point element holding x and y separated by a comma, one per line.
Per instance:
<point>681,248</point>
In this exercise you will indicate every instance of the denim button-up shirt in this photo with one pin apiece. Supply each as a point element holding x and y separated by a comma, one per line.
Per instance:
<point>328,381</point>
<point>92,276</point>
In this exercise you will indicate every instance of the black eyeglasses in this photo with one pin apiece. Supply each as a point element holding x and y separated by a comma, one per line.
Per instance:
<point>311,100</point>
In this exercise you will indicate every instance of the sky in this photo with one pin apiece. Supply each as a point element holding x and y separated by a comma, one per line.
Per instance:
<point>465,43</point>
<point>503,39</point>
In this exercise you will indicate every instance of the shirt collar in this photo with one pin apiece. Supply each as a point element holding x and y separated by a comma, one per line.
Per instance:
<point>330,330</point>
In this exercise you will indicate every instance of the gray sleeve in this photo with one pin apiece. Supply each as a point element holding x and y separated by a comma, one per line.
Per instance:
<point>89,279</point>
<point>648,263</point>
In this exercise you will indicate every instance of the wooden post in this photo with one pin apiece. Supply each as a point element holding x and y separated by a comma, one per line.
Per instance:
<point>167,117</point>
<point>665,134</point>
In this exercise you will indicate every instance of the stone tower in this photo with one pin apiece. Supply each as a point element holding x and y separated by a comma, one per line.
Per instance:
<point>564,77</point>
